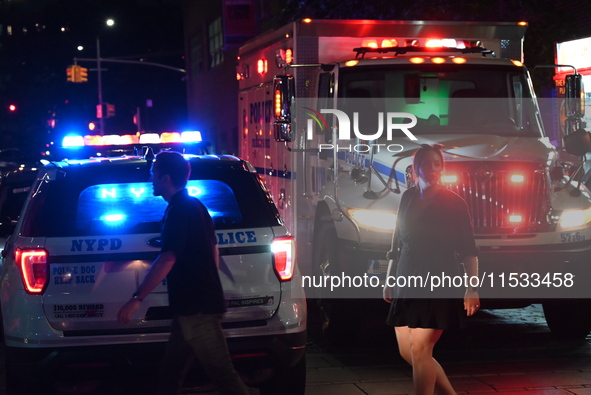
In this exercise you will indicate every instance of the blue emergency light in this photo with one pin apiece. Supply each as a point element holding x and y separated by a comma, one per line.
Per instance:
<point>126,205</point>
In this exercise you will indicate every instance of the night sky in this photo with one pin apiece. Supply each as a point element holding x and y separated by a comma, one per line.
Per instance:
<point>39,40</point>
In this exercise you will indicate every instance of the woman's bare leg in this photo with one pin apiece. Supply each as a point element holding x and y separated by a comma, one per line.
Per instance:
<point>416,347</point>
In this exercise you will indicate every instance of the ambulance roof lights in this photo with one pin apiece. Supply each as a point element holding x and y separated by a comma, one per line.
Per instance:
<point>459,60</point>
<point>451,43</point>
<point>307,20</point>
<point>522,23</point>
<point>441,43</point>
<point>438,60</point>
<point>473,44</point>
<point>433,43</point>
<point>389,43</point>
<point>369,44</point>
<point>417,60</point>
<point>350,63</point>
<point>411,43</point>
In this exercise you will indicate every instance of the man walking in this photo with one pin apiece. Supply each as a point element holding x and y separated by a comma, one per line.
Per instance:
<point>189,261</point>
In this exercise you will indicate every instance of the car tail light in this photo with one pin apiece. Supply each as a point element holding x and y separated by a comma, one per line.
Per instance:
<point>283,249</point>
<point>34,269</point>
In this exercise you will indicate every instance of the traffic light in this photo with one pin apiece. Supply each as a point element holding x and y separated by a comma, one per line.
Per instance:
<point>110,110</point>
<point>82,74</point>
<point>77,73</point>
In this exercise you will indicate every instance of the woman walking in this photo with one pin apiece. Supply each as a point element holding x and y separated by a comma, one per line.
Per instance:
<point>433,235</point>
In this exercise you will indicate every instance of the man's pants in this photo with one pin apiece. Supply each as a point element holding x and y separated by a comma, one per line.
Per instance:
<point>198,336</point>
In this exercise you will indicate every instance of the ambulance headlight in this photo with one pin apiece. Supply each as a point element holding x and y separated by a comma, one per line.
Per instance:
<point>574,218</point>
<point>374,220</point>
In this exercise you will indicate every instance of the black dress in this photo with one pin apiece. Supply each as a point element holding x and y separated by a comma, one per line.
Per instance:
<point>432,236</point>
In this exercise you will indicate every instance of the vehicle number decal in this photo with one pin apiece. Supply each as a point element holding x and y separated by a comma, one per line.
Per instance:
<point>91,310</point>
<point>571,237</point>
<point>68,275</point>
<point>265,300</point>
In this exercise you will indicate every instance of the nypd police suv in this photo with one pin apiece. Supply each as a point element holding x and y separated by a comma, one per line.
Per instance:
<point>84,241</point>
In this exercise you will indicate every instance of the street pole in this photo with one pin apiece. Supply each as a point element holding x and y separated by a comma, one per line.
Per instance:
<point>100,85</point>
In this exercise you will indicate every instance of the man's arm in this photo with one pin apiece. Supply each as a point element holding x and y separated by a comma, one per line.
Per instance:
<point>157,272</point>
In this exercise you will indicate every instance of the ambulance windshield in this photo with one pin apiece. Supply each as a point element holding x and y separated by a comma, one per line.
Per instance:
<point>444,98</point>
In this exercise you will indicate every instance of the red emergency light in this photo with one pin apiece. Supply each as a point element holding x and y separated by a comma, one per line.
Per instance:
<point>262,66</point>
<point>515,218</point>
<point>449,178</point>
<point>278,107</point>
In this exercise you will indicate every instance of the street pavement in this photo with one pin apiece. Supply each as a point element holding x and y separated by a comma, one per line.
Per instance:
<point>502,351</point>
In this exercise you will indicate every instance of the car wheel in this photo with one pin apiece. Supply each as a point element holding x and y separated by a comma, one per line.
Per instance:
<point>287,381</point>
<point>14,386</point>
<point>339,325</point>
<point>568,318</point>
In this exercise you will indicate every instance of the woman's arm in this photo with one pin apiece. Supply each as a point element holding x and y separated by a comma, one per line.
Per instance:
<point>388,294</point>
<point>471,298</point>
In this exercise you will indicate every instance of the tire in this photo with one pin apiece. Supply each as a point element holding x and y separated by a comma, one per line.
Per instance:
<point>14,386</point>
<point>287,381</point>
<point>338,324</point>
<point>568,318</point>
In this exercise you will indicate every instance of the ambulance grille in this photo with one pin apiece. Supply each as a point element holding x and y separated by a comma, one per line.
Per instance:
<point>502,197</point>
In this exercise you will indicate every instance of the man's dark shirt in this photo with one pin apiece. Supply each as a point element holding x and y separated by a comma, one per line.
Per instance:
<point>193,282</point>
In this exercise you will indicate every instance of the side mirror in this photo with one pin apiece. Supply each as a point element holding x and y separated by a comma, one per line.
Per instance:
<point>574,96</point>
<point>578,143</point>
<point>283,97</point>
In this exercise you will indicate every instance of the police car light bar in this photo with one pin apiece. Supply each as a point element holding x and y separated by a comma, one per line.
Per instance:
<point>130,139</point>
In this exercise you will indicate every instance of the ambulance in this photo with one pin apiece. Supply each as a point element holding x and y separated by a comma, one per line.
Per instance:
<point>330,114</point>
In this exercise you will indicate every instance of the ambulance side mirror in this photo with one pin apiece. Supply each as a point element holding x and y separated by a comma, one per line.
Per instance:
<point>283,98</point>
<point>578,143</point>
<point>574,96</point>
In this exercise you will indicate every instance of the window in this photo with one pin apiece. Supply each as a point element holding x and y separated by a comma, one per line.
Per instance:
<point>128,206</point>
<point>196,50</point>
<point>216,43</point>
<point>119,200</point>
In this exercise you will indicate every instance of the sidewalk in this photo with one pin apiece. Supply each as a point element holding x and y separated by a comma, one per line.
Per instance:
<point>328,376</point>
